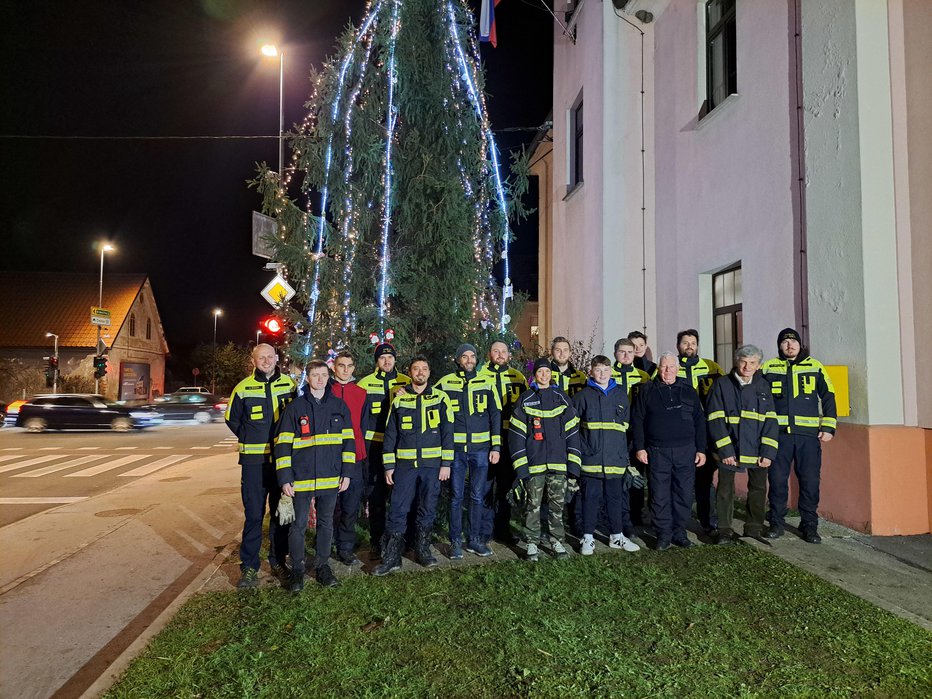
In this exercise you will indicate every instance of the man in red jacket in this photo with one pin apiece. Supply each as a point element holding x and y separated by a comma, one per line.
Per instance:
<point>344,387</point>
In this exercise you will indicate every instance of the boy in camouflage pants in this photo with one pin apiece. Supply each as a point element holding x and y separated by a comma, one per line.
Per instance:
<point>543,439</point>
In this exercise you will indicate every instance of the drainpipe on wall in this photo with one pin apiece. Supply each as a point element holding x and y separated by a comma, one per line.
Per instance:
<point>799,155</point>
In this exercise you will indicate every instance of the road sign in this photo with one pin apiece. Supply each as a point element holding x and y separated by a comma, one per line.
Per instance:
<point>195,371</point>
<point>100,316</point>
<point>277,291</point>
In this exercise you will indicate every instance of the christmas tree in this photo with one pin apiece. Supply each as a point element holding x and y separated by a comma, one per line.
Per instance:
<point>401,216</point>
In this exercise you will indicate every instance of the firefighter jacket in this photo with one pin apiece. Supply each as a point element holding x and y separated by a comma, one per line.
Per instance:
<point>381,388</point>
<point>629,377</point>
<point>742,421</point>
<point>799,386</point>
<point>357,400</point>
<point>700,373</point>
<point>570,381</point>
<point>253,411</point>
<point>509,384</point>
<point>544,434</point>
<point>477,411</point>
<point>419,430</point>
<point>314,444</point>
<point>603,425</point>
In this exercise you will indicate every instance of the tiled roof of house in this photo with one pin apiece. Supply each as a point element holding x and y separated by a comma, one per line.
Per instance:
<point>34,303</point>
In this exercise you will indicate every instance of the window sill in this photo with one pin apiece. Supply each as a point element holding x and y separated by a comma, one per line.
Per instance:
<point>724,106</point>
<point>572,189</point>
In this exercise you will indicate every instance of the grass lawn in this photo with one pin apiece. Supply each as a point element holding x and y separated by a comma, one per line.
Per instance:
<point>709,622</point>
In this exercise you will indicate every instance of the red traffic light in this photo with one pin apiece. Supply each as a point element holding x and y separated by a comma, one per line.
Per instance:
<point>272,325</point>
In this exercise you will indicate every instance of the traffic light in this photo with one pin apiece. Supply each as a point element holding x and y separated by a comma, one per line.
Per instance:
<point>100,367</point>
<point>51,372</point>
<point>272,326</point>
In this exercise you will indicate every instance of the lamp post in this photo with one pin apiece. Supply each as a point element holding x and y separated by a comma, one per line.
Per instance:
<point>213,372</point>
<point>271,50</point>
<point>104,247</point>
<point>55,363</point>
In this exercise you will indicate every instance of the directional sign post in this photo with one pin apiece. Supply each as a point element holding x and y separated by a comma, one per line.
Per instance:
<point>100,316</point>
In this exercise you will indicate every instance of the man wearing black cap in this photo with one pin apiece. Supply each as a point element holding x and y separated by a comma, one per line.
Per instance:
<point>477,442</point>
<point>381,386</point>
<point>805,404</point>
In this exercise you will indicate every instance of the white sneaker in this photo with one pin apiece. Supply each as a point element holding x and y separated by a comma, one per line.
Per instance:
<point>588,545</point>
<point>532,551</point>
<point>620,541</point>
<point>559,549</point>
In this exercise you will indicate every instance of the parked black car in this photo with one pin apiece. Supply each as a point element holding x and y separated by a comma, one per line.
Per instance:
<point>82,412</point>
<point>202,407</point>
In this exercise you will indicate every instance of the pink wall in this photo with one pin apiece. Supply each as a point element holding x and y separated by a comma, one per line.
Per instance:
<point>724,185</point>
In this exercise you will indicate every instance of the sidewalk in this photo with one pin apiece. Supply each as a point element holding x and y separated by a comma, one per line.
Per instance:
<point>80,582</point>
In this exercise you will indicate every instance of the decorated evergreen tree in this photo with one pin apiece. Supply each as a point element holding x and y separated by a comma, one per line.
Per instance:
<point>401,217</point>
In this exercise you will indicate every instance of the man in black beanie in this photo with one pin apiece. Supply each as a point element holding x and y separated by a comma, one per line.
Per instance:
<point>805,404</point>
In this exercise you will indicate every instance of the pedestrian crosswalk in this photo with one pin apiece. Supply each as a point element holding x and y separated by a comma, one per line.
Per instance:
<point>87,465</point>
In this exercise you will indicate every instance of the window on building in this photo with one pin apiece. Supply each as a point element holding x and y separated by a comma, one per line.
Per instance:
<point>726,312</point>
<point>132,325</point>
<point>721,56</point>
<point>576,144</point>
<point>148,328</point>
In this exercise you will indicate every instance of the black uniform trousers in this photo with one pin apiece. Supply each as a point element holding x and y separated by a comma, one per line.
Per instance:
<point>672,479</point>
<point>602,495</point>
<point>805,454</point>
<point>348,503</point>
<point>326,502</point>
<point>705,493</point>
<point>414,484</point>
<point>376,494</point>
<point>258,484</point>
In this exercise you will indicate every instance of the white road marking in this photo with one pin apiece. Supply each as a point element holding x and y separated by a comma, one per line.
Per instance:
<point>48,448</point>
<point>29,462</point>
<point>154,466</point>
<point>10,456</point>
<point>39,501</point>
<point>108,466</point>
<point>125,448</point>
<point>87,448</point>
<point>38,473</point>
<point>201,447</point>
<point>12,449</point>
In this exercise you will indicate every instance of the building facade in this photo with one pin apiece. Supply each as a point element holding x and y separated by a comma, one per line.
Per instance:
<point>740,166</point>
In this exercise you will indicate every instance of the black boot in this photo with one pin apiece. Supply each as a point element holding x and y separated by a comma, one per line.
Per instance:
<point>391,555</point>
<point>422,546</point>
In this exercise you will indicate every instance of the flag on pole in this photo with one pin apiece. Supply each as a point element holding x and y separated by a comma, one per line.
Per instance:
<point>487,22</point>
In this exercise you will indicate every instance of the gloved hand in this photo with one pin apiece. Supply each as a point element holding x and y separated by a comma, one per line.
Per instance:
<point>285,511</point>
<point>637,480</point>
<point>572,487</point>
<point>517,496</point>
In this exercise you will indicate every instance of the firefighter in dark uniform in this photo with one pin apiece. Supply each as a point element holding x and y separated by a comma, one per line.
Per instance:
<point>543,438</point>
<point>604,414</point>
<point>417,453</point>
<point>668,427</point>
<point>805,405</point>
<point>627,375</point>
<point>565,375</point>
<point>743,430</point>
<point>641,350</point>
<point>381,385</point>
<point>477,438</point>
<point>252,414</point>
<point>509,384</point>
<point>315,457</point>
<point>700,374</point>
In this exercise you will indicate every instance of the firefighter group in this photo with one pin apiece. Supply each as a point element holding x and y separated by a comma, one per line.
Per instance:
<point>566,449</point>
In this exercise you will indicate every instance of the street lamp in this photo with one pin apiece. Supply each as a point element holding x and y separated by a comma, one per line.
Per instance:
<point>104,247</point>
<point>55,363</point>
<point>271,50</point>
<point>213,372</point>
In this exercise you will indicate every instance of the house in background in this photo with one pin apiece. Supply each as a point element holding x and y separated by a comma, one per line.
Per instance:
<point>33,304</point>
<point>740,166</point>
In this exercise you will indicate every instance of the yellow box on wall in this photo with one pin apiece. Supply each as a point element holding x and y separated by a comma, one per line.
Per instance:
<point>838,373</point>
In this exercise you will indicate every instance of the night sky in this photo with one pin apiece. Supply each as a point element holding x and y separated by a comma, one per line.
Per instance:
<point>179,210</point>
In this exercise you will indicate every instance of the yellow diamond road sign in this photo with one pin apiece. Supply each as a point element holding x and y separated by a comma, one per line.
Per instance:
<point>277,291</point>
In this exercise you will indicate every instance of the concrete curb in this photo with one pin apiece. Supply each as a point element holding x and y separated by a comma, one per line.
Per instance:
<point>118,666</point>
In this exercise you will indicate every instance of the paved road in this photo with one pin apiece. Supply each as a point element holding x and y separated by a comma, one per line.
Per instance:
<point>138,517</point>
<point>41,471</point>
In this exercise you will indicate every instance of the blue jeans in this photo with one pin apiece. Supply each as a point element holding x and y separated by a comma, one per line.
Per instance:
<point>477,463</point>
